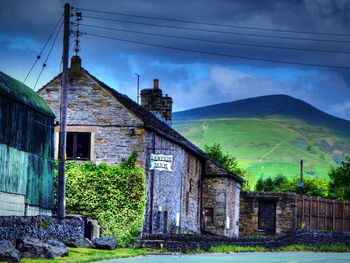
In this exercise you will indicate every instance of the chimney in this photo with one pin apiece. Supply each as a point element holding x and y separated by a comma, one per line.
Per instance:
<point>167,109</point>
<point>75,66</point>
<point>153,100</point>
<point>156,84</point>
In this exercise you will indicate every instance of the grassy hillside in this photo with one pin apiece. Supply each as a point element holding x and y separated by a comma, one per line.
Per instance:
<point>272,144</point>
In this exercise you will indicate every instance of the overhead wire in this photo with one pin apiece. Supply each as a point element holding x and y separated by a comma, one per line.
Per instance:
<point>217,54</point>
<point>213,24</point>
<point>42,50</point>
<point>48,55</point>
<point>218,41</point>
<point>219,31</point>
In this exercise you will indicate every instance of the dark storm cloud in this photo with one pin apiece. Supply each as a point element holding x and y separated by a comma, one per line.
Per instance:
<point>25,26</point>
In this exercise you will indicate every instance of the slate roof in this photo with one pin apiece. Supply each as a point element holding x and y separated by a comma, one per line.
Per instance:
<point>20,92</point>
<point>153,123</point>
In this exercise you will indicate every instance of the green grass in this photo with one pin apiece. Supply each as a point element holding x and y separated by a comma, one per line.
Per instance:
<point>89,255</point>
<point>78,255</point>
<point>271,146</point>
<point>290,248</point>
<point>226,249</point>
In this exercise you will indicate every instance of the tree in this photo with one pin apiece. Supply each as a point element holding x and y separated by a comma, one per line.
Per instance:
<point>228,161</point>
<point>225,159</point>
<point>339,184</point>
<point>312,186</point>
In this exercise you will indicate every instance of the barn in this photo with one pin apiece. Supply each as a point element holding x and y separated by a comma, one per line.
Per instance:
<point>26,151</point>
<point>187,192</point>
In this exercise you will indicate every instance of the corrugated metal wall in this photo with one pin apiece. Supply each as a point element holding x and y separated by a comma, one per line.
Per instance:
<point>26,153</point>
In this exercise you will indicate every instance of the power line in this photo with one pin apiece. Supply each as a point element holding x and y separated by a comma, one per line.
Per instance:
<point>48,55</point>
<point>214,24</point>
<point>216,31</point>
<point>42,50</point>
<point>218,41</point>
<point>220,54</point>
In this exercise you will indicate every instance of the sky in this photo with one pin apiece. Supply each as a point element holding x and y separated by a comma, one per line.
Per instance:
<point>203,52</point>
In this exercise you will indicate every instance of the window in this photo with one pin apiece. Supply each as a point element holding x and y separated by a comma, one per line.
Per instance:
<point>209,215</point>
<point>78,145</point>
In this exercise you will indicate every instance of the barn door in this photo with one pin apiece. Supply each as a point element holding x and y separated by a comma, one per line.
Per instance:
<point>267,216</point>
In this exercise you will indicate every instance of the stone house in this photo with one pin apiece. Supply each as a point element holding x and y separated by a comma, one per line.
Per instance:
<point>26,151</point>
<point>187,192</point>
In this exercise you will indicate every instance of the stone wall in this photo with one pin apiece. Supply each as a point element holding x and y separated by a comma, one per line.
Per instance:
<point>42,227</point>
<point>169,189</point>
<point>232,211</point>
<point>285,211</point>
<point>14,205</point>
<point>221,194</point>
<point>186,243</point>
<point>190,214</point>
<point>93,109</point>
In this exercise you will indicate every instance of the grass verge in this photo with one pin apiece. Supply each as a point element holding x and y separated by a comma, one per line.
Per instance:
<point>81,255</point>
<point>323,248</point>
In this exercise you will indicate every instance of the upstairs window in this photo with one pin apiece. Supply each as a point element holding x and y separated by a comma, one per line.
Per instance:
<point>78,146</point>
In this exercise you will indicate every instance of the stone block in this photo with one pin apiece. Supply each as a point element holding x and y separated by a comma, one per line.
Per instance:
<point>8,252</point>
<point>105,243</point>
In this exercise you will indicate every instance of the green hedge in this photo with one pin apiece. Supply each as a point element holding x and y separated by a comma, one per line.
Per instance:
<point>113,194</point>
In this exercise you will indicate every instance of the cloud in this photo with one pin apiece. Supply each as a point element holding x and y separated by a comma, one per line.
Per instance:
<point>224,84</point>
<point>193,79</point>
<point>19,43</point>
<point>342,109</point>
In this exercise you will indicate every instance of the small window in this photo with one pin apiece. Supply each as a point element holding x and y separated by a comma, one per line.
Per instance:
<point>209,215</point>
<point>78,145</point>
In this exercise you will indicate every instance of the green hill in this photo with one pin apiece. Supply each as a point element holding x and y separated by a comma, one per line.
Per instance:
<point>269,135</point>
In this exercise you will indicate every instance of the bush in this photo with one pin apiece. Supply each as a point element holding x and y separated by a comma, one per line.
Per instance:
<point>113,194</point>
<point>228,161</point>
<point>339,185</point>
<point>312,186</point>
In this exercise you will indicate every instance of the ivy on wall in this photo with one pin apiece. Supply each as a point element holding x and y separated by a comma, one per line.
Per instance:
<point>112,194</point>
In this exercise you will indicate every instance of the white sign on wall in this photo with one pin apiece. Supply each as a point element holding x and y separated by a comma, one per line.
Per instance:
<point>161,162</point>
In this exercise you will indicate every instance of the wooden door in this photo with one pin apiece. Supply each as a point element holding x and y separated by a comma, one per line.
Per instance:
<point>267,217</point>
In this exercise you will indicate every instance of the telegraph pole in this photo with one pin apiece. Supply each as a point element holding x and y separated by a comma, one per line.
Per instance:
<point>61,189</point>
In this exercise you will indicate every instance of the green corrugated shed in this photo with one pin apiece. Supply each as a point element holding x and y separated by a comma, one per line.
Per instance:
<point>20,92</point>
<point>26,143</point>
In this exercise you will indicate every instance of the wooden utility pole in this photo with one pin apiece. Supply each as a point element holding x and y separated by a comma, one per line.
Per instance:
<point>61,189</point>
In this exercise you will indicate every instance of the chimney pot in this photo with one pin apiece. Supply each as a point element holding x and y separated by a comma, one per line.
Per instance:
<point>75,66</point>
<point>156,84</point>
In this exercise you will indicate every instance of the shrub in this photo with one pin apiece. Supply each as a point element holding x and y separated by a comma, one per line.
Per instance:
<point>113,194</point>
<point>312,186</point>
<point>339,185</point>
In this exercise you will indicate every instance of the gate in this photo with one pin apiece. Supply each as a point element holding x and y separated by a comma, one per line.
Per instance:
<point>267,217</point>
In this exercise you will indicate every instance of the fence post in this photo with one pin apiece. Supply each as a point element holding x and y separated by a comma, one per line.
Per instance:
<point>343,221</point>
<point>310,211</point>
<point>302,210</point>
<point>318,213</point>
<point>333,219</point>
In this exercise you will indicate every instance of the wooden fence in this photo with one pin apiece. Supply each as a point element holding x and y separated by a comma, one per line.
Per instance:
<point>317,213</point>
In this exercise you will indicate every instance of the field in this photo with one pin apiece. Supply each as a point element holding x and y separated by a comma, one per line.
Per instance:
<point>271,145</point>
